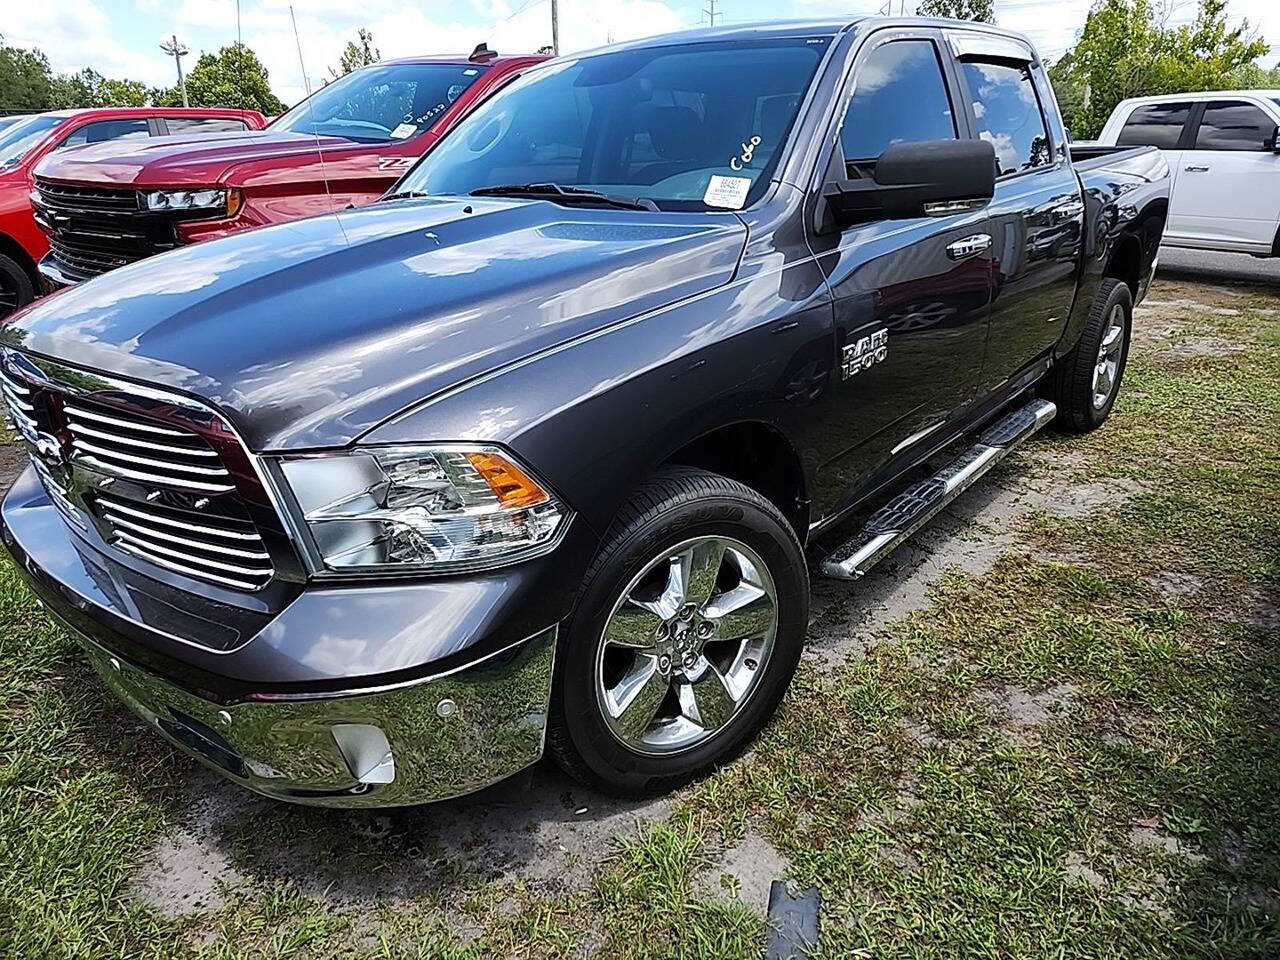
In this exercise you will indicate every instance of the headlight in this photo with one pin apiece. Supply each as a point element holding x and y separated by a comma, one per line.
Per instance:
<point>422,508</point>
<point>212,200</point>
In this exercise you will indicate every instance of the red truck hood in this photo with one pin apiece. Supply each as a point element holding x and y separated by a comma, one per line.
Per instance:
<point>178,161</point>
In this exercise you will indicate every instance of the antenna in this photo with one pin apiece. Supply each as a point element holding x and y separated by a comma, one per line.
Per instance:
<point>296,39</point>
<point>177,50</point>
<point>311,113</point>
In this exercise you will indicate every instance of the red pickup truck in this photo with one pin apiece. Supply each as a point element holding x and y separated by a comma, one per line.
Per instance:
<point>28,140</point>
<point>106,206</point>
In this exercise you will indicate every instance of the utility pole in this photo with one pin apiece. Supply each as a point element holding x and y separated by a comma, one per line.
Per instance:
<point>710,12</point>
<point>176,50</point>
<point>555,28</point>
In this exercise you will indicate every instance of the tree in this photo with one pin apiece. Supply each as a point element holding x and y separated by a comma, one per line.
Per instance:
<point>1127,50</point>
<point>24,79</point>
<point>980,10</point>
<point>357,54</point>
<point>1253,77</point>
<point>233,77</point>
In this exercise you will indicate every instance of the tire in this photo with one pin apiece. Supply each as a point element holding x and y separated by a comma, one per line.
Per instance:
<point>681,511</point>
<point>16,289</point>
<point>1073,386</point>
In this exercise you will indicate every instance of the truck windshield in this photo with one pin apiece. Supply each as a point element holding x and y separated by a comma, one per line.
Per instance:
<point>381,103</point>
<point>17,138</point>
<point>689,126</point>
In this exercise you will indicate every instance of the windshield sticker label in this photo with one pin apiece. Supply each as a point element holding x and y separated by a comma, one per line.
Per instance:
<point>404,130</point>
<point>394,163</point>
<point>729,193</point>
<point>748,151</point>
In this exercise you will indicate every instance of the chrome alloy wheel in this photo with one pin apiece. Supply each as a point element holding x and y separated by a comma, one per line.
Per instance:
<point>686,645</point>
<point>1109,351</point>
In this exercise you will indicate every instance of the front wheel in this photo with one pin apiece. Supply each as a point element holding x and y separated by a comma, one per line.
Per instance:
<point>685,638</point>
<point>16,289</point>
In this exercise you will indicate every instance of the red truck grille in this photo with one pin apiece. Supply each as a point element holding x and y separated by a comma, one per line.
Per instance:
<point>92,230</point>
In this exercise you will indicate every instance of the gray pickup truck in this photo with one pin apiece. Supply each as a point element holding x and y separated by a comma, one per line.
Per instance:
<point>377,507</point>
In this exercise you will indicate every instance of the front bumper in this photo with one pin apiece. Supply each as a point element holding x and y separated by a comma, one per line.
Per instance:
<point>429,740</point>
<point>403,737</point>
<point>52,277</point>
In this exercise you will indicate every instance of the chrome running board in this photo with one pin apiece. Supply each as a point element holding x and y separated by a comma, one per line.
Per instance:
<point>918,504</point>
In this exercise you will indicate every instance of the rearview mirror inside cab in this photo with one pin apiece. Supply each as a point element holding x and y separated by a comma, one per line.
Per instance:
<point>929,179</point>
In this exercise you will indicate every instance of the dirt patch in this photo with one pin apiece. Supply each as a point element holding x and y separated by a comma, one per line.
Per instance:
<point>189,873</point>
<point>1022,710</point>
<point>1193,348</point>
<point>1078,871</point>
<point>13,458</point>
<point>1172,584</point>
<point>1145,835</point>
<point>745,872</point>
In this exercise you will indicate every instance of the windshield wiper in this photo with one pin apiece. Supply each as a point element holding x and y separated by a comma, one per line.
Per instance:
<point>568,195</point>
<point>403,195</point>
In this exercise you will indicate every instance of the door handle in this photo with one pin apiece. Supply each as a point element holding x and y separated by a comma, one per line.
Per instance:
<point>1197,169</point>
<point>968,246</point>
<point>1068,211</point>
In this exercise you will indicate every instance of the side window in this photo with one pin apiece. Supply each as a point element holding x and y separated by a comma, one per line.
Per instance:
<point>1234,126</point>
<point>204,125</point>
<point>1008,114</point>
<point>105,130</point>
<point>1155,125</point>
<point>899,96</point>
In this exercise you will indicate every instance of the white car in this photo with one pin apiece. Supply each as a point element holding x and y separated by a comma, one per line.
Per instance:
<point>1221,147</point>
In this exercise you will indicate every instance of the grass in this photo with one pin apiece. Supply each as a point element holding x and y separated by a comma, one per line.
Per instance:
<point>1074,755</point>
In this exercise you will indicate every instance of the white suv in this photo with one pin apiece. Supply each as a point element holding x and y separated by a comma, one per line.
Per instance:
<point>1222,149</point>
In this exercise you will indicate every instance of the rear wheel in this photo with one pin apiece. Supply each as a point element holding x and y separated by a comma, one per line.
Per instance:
<point>1087,379</point>
<point>686,636</point>
<point>16,289</point>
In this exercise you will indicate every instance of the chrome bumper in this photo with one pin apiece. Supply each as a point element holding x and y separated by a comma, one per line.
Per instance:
<point>427,740</point>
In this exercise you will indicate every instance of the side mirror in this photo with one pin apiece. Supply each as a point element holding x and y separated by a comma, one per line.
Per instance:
<point>1273,144</point>
<point>933,178</point>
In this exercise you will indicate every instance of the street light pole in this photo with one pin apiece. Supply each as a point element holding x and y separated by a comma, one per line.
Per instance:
<point>177,51</point>
<point>555,28</point>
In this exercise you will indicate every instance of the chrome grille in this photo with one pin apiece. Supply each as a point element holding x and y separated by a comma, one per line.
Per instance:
<point>17,403</point>
<point>58,496</point>
<point>131,447</point>
<point>218,549</point>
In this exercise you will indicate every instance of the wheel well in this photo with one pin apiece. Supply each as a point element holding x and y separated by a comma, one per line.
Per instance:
<point>14,251</point>
<point>1126,264</point>
<point>758,455</point>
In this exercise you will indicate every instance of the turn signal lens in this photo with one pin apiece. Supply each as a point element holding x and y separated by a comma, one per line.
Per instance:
<point>511,485</point>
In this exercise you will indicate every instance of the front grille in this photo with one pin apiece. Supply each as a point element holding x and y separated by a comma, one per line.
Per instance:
<point>133,447</point>
<point>96,199</point>
<point>58,495</point>
<point>93,230</point>
<point>128,467</point>
<point>86,261</point>
<point>220,549</point>
<point>17,403</point>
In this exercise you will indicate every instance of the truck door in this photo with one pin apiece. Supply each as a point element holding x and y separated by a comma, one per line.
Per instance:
<point>1227,193</point>
<point>910,296</point>
<point>1037,215</point>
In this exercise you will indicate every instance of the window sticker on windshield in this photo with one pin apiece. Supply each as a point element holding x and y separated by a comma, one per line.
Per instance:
<point>748,152</point>
<point>469,73</point>
<point>730,193</point>
<point>404,130</point>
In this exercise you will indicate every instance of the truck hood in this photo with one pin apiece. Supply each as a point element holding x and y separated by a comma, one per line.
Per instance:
<point>178,161</point>
<point>309,334</point>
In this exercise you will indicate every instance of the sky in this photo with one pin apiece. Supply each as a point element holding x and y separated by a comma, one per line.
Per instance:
<point>120,38</point>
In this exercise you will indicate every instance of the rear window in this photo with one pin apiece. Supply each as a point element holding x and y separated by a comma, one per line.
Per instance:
<point>1008,114</point>
<point>105,130</point>
<point>1234,126</point>
<point>1155,125</point>
<point>205,125</point>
